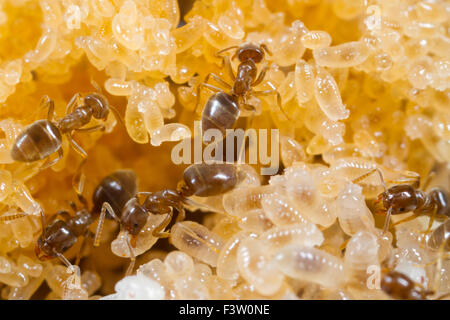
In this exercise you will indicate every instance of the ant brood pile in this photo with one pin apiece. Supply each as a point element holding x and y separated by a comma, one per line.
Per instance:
<point>359,93</point>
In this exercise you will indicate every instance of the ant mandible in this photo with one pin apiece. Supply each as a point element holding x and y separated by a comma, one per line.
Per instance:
<point>223,109</point>
<point>403,198</point>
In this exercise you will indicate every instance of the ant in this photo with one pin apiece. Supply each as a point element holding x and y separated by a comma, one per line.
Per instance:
<point>404,198</point>
<point>62,231</point>
<point>201,180</point>
<point>223,109</point>
<point>44,137</point>
<point>399,286</point>
<point>61,234</point>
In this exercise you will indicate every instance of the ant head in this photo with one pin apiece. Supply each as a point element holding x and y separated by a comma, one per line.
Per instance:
<point>134,217</point>
<point>251,51</point>
<point>99,105</point>
<point>401,198</point>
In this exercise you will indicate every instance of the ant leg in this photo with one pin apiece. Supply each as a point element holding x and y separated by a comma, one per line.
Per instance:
<point>12,217</point>
<point>43,219</point>
<point>48,163</point>
<point>46,102</point>
<point>106,207</point>
<point>132,257</point>
<point>365,175</point>
<point>78,178</point>
<point>73,206</point>
<point>412,217</point>
<point>261,76</point>
<point>63,259</point>
<point>226,61</point>
<point>205,85</point>
<point>95,85</point>
<point>265,48</point>
<point>430,223</point>
<point>428,180</point>
<point>218,54</point>
<point>270,92</point>
<point>228,68</point>
<point>99,127</point>
<point>181,214</point>
<point>157,232</point>
<point>117,115</point>
<point>75,100</point>
<point>218,79</point>
<point>80,252</point>
<point>412,178</point>
<point>387,221</point>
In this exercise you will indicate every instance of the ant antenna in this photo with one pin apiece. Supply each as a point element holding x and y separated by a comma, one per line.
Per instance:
<point>117,115</point>
<point>12,217</point>
<point>95,85</point>
<point>265,48</point>
<point>364,176</point>
<point>208,208</point>
<point>132,256</point>
<point>63,259</point>
<point>101,220</point>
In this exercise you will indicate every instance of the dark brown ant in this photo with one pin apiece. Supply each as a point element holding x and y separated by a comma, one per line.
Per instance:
<point>59,235</point>
<point>223,109</point>
<point>404,198</point>
<point>63,230</point>
<point>201,180</point>
<point>399,286</point>
<point>44,137</point>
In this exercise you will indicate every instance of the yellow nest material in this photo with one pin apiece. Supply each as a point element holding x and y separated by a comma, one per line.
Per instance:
<point>364,85</point>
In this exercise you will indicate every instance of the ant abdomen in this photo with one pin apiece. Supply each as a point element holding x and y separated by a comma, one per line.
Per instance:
<point>205,180</point>
<point>115,189</point>
<point>38,141</point>
<point>220,112</point>
<point>440,198</point>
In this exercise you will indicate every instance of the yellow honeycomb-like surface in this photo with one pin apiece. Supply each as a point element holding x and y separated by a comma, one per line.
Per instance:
<point>364,84</point>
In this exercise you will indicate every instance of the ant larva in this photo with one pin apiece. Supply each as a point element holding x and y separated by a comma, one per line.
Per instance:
<point>223,109</point>
<point>403,198</point>
<point>43,138</point>
<point>118,197</point>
